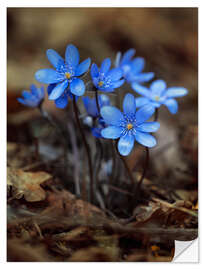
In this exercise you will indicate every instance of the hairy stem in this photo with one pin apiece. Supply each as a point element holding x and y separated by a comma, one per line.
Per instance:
<point>86,148</point>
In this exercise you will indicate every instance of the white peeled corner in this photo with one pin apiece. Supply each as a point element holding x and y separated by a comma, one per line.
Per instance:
<point>186,251</point>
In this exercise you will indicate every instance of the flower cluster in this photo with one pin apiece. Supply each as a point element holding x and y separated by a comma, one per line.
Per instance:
<point>66,80</point>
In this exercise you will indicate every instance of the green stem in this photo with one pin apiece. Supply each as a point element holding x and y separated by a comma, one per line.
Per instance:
<point>86,148</point>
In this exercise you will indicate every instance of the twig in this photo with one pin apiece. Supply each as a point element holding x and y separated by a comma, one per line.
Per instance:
<point>182,209</point>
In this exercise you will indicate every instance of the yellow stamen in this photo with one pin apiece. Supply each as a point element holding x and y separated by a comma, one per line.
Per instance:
<point>100,83</point>
<point>157,98</point>
<point>129,126</point>
<point>68,75</point>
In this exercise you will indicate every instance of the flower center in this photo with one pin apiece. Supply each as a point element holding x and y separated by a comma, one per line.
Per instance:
<point>129,126</point>
<point>100,83</point>
<point>157,98</point>
<point>68,75</point>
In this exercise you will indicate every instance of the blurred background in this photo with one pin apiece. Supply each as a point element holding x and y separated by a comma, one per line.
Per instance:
<point>168,40</point>
<point>166,37</point>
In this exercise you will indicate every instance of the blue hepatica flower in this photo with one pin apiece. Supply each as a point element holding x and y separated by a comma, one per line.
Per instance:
<point>91,108</point>
<point>158,94</point>
<point>130,125</point>
<point>105,79</point>
<point>66,72</point>
<point>132,68</point>
<point>62,101</point>
<point>33,98</point>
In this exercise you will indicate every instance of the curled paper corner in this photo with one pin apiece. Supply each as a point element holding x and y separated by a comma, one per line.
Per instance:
<point>186,251</point>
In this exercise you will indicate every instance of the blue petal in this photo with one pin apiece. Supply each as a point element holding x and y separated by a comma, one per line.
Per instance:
<point>48,76</point>
<point>144,113</point>
<point>83,67</point>
<point>29,103</point>
<point>72,56</point>
<point>158,87</point>
<point>149,127</point>
<point>112,115</point>
<point>50,88</point>
<point>28,95</point>
<point>137,65</point>
<point>173,92</point>
<point>104,100</point>
<point>105,66</point>
<point>54,58</point>
<point>129,105</point>
<point>58,90</point>
<point>172,105</point>
<point>144,77</point>
<point>127,56</point>
<point>145,139</point>
<point>94,70</point>
<point>111,132</point>
<point>117,84</point>
<point>77,87</point>
<point>115,74</point>
<point>90,106</point>
<point>33,89</point>
<point>141,101</point>
<point>61,102</point>
<point>142,90</point>
<point>125,144</point>
<point>96,132</point>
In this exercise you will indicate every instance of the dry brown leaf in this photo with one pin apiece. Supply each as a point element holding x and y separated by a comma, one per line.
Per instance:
<point>27,184</point>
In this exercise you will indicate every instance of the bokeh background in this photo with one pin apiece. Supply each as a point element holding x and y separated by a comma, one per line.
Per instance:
<point>168,40</point>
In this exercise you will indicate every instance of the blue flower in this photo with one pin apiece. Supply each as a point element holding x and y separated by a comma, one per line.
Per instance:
<point>158,94</point>
<point>91,108</point>
<point>33,98</point>
<point>130,125</point>
<point>91,105</point>
<point>132,68</point>
<point>66,72</point>
<point>105,79</point>
<point>62,101</point>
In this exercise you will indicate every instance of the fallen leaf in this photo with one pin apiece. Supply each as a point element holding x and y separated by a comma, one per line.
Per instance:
<point>27,184</point>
